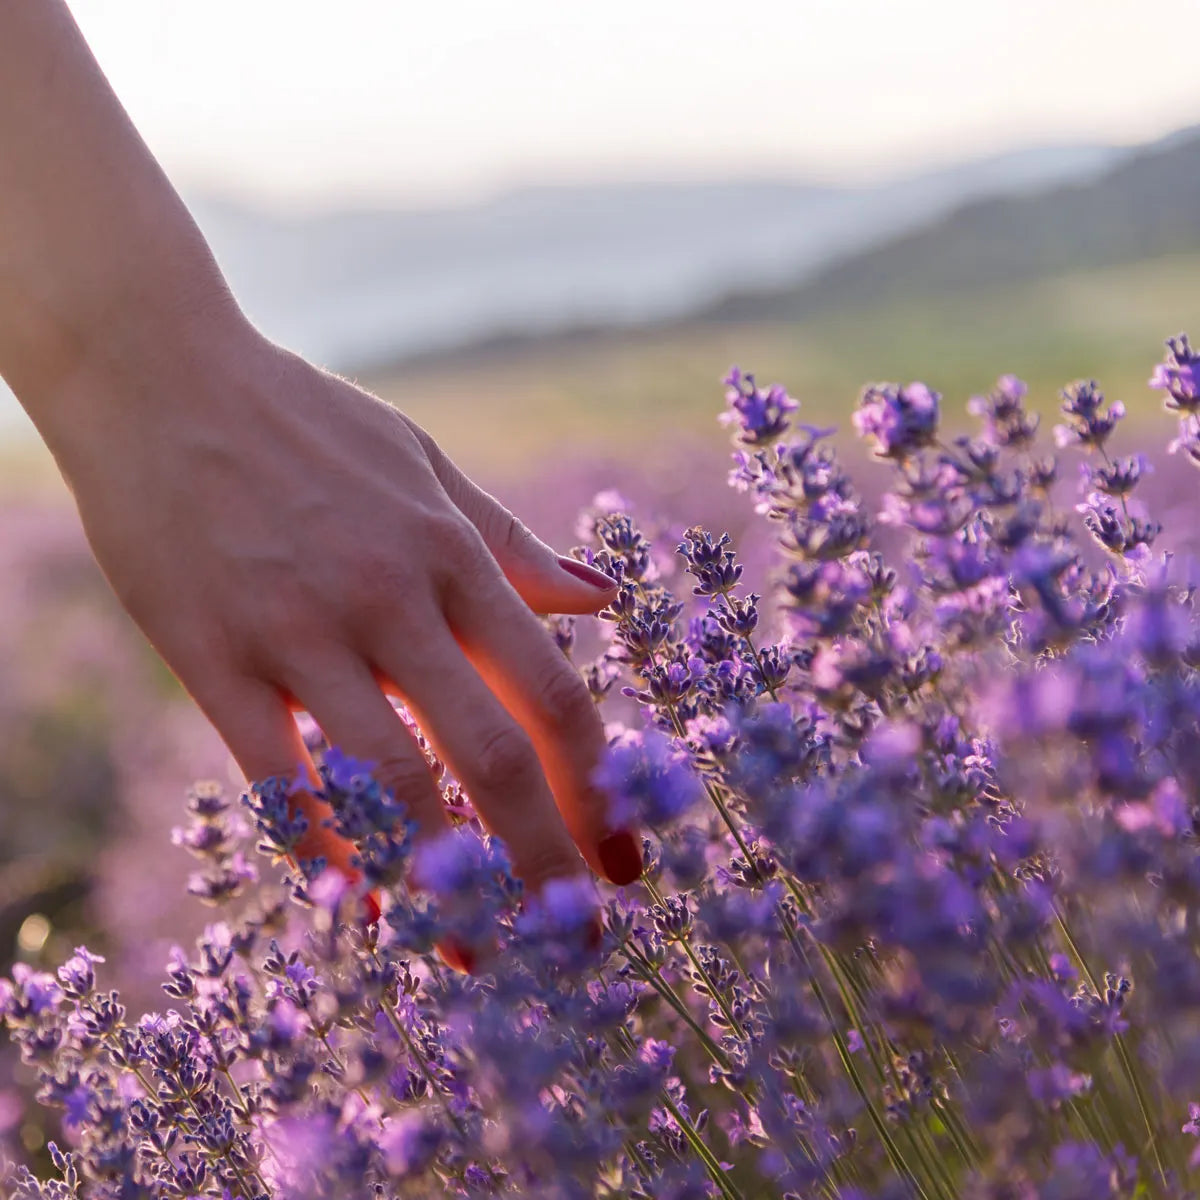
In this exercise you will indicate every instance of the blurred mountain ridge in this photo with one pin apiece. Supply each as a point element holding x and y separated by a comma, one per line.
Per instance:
<point>356,288</point>
<point>363,289</point>
<point>1143,206</point>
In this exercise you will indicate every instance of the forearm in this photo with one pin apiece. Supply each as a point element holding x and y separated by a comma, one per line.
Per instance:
<point>99,258</point>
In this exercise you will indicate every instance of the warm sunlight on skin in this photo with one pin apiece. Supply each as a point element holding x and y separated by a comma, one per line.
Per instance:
<point>308,100</point>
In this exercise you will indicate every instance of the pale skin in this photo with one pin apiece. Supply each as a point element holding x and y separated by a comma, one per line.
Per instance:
<point>284,539</point>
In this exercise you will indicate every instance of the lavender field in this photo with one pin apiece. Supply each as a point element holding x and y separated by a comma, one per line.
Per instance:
<point>908,715</point>
<point>599,609</point>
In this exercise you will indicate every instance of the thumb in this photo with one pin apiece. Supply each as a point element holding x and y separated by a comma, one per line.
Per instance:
<point>547,581</point>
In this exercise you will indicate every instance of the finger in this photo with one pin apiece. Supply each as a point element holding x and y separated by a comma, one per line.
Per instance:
<point>547,581</point>
<point>522,665</point>
<point>256,724</point>
<point>486,749</point>
<point>345,700</point>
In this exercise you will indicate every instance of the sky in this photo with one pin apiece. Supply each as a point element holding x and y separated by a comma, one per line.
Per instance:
<point>310,102</point>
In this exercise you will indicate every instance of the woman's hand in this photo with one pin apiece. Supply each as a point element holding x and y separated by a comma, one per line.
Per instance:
<point>286,540</point>
<point>283,538</point>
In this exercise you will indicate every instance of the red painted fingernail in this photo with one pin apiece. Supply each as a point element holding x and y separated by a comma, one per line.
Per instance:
<point>373,910</point>
<point>459,957</point>
<point>595,933</point>
<point>621,857</point>
<point>597,579</point>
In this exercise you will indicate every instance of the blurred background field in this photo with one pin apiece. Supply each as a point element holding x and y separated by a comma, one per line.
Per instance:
<point>509,410</point>
<point>557,303</point>
<point>501,411</point>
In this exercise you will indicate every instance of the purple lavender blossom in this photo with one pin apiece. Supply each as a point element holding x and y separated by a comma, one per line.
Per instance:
<point>1179,377</point>
<point>918,909</point>
<point>647,779</point>
<point>898,420</point>
<point>760,416</point>
<point>1090,424</point>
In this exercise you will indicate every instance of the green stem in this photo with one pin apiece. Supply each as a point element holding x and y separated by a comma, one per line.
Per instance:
<point>714,1168</point>
<point>716,1172</point>
<point>237,1174</point>
<point>341,1066</point>
<point>653,976</point>
<point>1127,1064</point>
<point>881,1129</point>
<point>847,1063</point>
<point>419,1059</point>
<point>685,945</point>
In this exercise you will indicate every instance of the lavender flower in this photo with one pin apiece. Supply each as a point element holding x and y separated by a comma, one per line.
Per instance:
<point>760,416</point>
<point>648,780</point>
<point>898,420</point>
<point>918,915</point>
<point>1179,377</point>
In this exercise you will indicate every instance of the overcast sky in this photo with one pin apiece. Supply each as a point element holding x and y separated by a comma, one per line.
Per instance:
<point>423,100</point>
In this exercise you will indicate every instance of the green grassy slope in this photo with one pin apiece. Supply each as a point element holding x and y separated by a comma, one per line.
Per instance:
<point>499,411</point>
<point>1148,205</point>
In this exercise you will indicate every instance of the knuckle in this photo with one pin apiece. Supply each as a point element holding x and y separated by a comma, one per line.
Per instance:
<point>505,761</point>
<point>520,541</point>
<point>548,858</point>
<point>564,703</point>
<point>433,452</point>
<point>506,531</point>
<point>407,777</point>
<point>381,581</point>
<point>456,541</point>
<point>282,621</point>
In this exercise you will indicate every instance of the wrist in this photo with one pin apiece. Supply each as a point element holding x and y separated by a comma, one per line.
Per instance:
<point>65,333</point>
<point>163,349</point>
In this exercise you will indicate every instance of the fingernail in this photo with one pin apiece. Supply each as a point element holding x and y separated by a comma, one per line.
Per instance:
<point>459,956</point>
<point>597,579</point>
<point>595,933</point>
<point>621,857</point>
<point>372,909</point>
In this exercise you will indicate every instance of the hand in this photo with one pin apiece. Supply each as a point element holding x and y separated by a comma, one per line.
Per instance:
<point>286,540</point>
<point>283,538</point>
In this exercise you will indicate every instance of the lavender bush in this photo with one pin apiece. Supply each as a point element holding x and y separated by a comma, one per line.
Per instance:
<point>919,917</point>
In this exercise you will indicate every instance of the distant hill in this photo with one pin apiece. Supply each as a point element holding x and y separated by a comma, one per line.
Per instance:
<point>362,289</point>
<point>357,288</point>
<point>1147,204</point>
